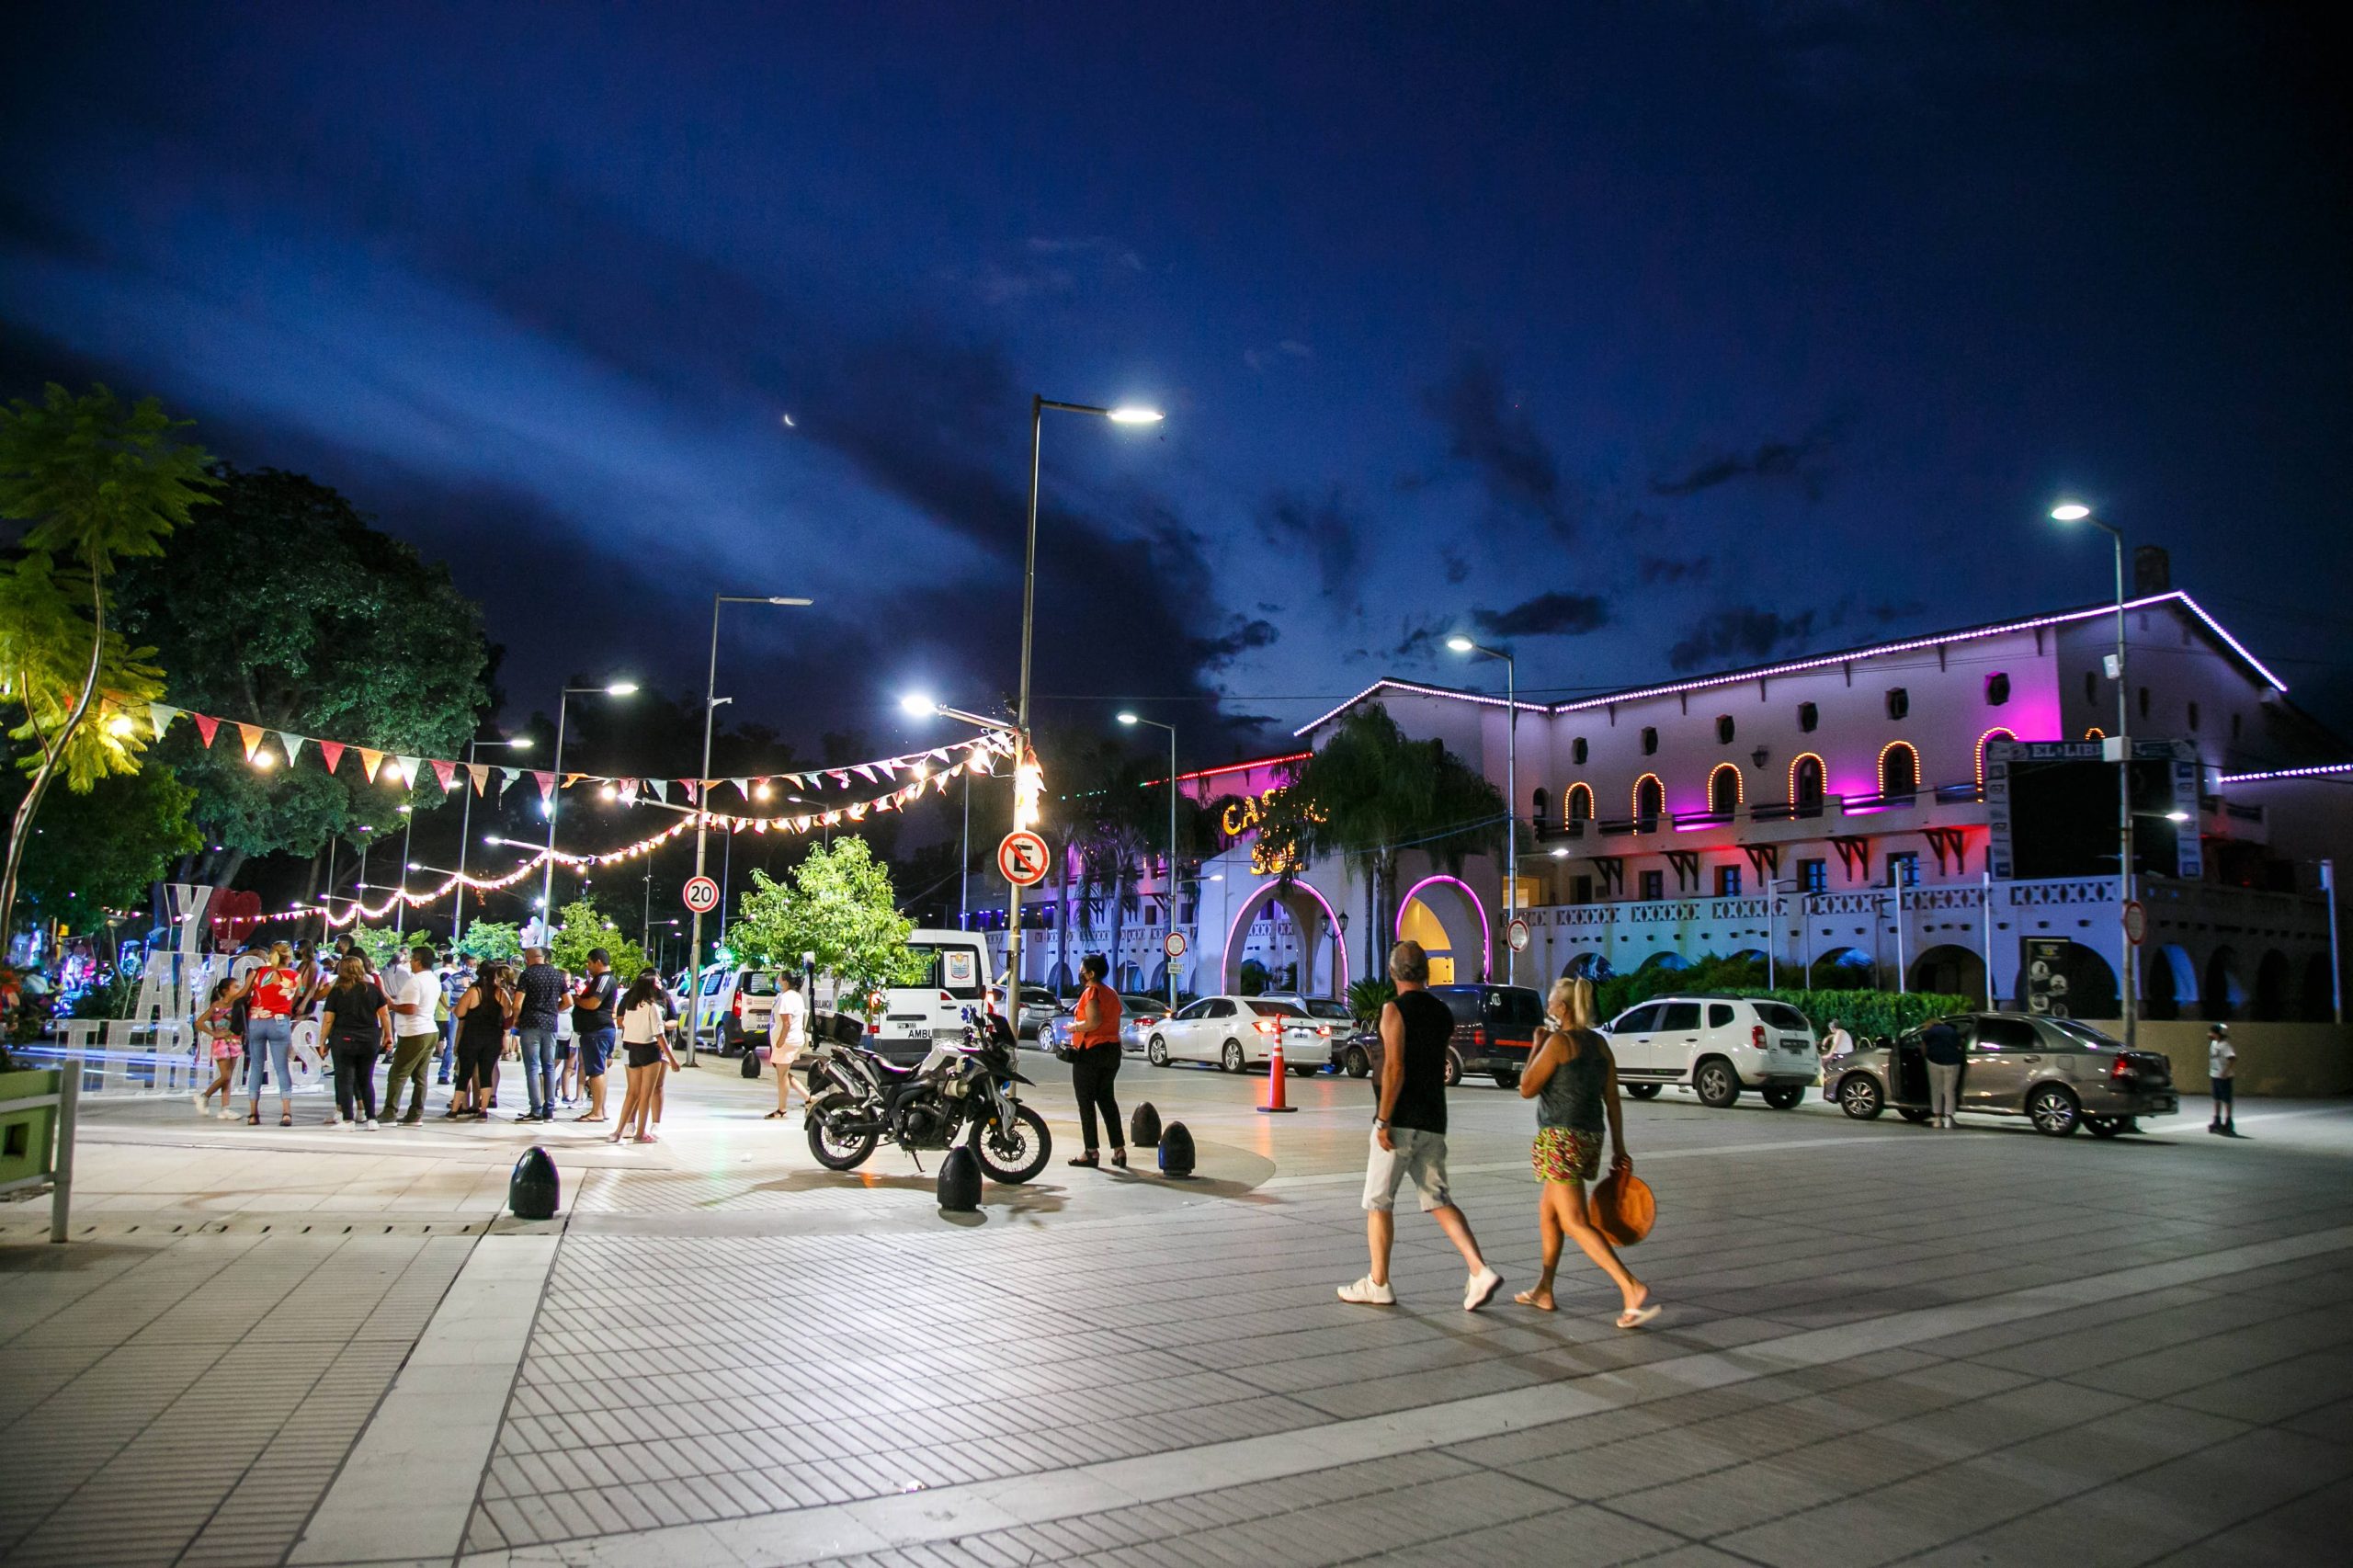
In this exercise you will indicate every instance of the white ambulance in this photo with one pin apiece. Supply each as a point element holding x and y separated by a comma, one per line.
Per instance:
<point>956,977</point>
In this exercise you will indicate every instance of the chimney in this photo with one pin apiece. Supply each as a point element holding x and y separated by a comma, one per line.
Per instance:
<point>2152,570</point>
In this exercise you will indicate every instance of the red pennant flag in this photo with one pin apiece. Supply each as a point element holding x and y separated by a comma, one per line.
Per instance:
<point>331,751</point>
<point>206,726</point>
<point>447,772</point>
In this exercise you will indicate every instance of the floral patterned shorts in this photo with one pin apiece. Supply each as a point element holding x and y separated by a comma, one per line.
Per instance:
<point>1562,1153</point>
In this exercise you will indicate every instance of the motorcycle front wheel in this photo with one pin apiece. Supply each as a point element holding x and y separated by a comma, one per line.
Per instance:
<point>836,1152</point>
<point>1016,1155</point>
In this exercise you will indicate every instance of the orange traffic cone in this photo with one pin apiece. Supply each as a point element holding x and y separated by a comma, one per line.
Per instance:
<point>1276,1073</point>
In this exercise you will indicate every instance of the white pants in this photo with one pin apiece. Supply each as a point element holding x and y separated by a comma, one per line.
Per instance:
<point>1944,1084</point>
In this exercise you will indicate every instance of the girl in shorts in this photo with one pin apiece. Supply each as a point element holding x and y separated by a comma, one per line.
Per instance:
<point>218,1030</point>
<point>645,1029</point>
<point>1573,1080</point>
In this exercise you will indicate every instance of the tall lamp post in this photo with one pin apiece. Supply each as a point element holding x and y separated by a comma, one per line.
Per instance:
<point>1462,644</point>
<point>465,833</point>
<point>1168,891</point>
<point>408,830</point>
<point>2121,749</point>
<point>1037,407</point>
<point>1025,812</point>
<point>702,806</point>
<point>555,798</point>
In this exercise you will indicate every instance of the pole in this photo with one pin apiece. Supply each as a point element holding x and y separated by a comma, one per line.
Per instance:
<point>1168,890</point>
<point>1901,985</point>
<point>1021,707</point>
<point>2130,971</point>
<point>465,837</point>
<point>555,798</point>
<point>1987,924</point>
<point>1805,934</point>
<point>1511,816</point>
<point>2335,972</point>
<point>726,880</point>
<point>964,868</point>
<point>1773,934</point>
<point>702,816</point>
<point>408,833</point>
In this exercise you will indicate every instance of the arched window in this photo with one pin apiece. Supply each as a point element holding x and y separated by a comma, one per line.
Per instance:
<point>1650,739</point>
<point>1724,789</point>
<point>1577,804</point>
<point>1650,802</point>
<point>1805,785</point>
<point>2094,733</point>
<point>1899,771</point>
<point>1577,750</point>
<point>1987,739</point>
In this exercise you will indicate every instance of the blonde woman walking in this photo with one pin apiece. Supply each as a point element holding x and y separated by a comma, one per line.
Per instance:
<point>1573,1080</point>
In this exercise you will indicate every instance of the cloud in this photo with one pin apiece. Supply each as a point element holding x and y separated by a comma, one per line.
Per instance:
<point>1327,530</point>
<point>1458,569</point>
<point>1547,614</point>
<point>1804,463</point>
<point>1500,447</point>
<point>1657,571</point>
<point>1216,653</point>
<point>1741,633</point>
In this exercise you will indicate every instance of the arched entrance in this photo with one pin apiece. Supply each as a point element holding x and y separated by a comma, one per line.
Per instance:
<point>2171,985</point>
<point>2224,996</point>
<point>1586,966</point>
<point>2319,991</point>
<point>1843,969</point>
<point>1951,969</point>
<point>1444,916</point>
<point>2272,983</point>
<point>2083,986</point>
<point>1287,929</point>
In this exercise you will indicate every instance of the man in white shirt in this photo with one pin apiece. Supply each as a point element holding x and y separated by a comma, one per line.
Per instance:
<point>2221,1062</point>
<point>413,989</point>
<point>787,1033</point>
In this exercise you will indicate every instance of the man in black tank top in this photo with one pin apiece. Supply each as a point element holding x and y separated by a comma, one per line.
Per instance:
<point>1409,1134</point>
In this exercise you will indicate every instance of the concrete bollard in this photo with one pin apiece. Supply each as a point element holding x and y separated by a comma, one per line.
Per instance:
<point>960,1181</point>
<point>1143,1127</point>
<point>1175,1150</point>
<point>533,1190</point>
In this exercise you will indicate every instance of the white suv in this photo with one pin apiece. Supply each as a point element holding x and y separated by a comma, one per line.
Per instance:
<point>1716,1046</point>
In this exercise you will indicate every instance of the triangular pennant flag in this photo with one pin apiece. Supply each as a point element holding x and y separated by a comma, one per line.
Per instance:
<point>939,752</point>
<point>480,773</point>
<point>865,770</point>
<point>629,791</point>
<point>759,824</point>
<point>251,735</point>
<point>447,772</point>
<point>801,823</point>
<point>838,776</point>
<point>369,761</point>
<point>330,753</point>
<point>408,766</point>
<point>743,787</point>
<point>292,743</point>
<point>547,787</point>
<point>830,818</point>
<point>206,725</point>
<point>661,788</point>
<point>694,790</point>
<point>160,717</point>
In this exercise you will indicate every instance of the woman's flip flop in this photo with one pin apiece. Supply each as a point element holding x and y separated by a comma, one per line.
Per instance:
<point>1635,1317</point>
<point>1527,1299</point>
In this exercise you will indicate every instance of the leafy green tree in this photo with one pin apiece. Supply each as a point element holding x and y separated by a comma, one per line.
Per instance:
<point>107,847</point>
<point>837,904</point>
<point>100,484</point>
<point>384,947</point>
<point>497,939</point>
<point>584,926</point>
<point>283,607</point>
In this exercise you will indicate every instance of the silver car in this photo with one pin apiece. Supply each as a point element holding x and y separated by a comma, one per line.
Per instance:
<point>2057,1072</point>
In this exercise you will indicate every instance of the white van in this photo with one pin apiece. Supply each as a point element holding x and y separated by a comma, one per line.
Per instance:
<point>956,977</point>
<point>1715,1046</point>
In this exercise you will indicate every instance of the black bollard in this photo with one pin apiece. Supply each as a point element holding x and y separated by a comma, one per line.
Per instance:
<point>1143,1127</point>
<point>1175,1150</point>
<point>960,1181</point>
<point>532,1191</point>
<point>751,1060</point>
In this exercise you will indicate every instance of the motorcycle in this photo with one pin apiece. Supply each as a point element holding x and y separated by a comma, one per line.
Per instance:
<point>961,1091</point>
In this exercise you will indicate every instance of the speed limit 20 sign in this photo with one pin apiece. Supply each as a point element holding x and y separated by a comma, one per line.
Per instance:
<point>701,895</point>
<point>1021,858</point>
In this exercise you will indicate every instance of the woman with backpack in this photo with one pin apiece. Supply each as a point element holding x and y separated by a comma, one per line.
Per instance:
<point>1573,1080</point>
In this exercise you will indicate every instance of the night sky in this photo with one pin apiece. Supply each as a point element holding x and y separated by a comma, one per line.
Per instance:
<point>1648,337</point>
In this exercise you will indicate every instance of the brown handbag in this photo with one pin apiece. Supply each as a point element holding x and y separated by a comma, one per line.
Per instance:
<point>1622,1207</point>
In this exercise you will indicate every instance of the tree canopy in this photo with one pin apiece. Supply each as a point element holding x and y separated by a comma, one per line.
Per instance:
<point>838,904</point>
<point>105,848</point>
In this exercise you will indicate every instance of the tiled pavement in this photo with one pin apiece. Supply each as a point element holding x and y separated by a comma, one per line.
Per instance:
<point>1885,1345</point>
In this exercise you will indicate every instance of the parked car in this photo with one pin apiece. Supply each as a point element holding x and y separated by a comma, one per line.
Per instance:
<point>2058,1073</point>
<point>1239,1032</point>
<point>1495,1026</point>
<point>1039,1007</point>
<point>1331,1021</point>
<point>1715,1046</point>
<point>1138,1013</point>
<point>737,1006</point>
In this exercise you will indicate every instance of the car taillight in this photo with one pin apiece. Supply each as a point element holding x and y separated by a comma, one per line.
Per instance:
<point>1266,1025</point>
<point>1323,1029</point>
<point>1756,1036</point>
<point>738,1008</point>
<point>1479,1036</point>
<point>2119,1070</point>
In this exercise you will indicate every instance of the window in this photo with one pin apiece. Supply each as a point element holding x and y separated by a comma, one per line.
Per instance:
<point>1899,702</point>
<point>1984,742</point>
<point>1899,772</point>
<point>1997,1034</point>
<point>1727,881</point>
<point>1720,1015</point>
<point>1576,750</point>
<point>1680,1017</point>
<point>1580,890</point>
<point>1649,800</point>
<point>1808,717</point>
<point>1724,789</point>
<point>1654,885</point>
<point>1637,1020</point>
<point>1578,806</point>
<point>1192,1011</point>
<point>1997,690</point>
<point>2193,715</point>
<point>1650,740</point>
<point>1542,798</point>
<point>1805,785</point>
<point>1277,1009</point>
<point>1813,876</point>
<point>2091,686</point>
<point>2144,702</point>
<point>1904,869</point>
<point>1217,1007</point>
<point>1724,728</point>
<point>1781,1016</point>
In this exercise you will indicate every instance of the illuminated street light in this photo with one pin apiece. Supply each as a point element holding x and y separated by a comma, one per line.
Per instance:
<point>2070,512</point>
<point>916,705</point>
<point>1132,415</point>
<point>2122,747</point>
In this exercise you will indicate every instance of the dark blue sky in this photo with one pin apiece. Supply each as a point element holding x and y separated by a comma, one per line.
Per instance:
<point>1645,337</point>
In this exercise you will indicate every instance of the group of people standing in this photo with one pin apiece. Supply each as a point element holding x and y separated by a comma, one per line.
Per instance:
<point>563,1028</point>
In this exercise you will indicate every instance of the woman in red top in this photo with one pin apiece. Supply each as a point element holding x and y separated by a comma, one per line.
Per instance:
<point>1095,1058</point>
<point>271,993</point>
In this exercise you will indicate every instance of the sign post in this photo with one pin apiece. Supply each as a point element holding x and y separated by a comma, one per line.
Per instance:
<point>1022,859</point>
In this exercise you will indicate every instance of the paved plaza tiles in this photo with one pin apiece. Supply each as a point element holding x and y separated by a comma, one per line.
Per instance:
<point>1884,1344</point>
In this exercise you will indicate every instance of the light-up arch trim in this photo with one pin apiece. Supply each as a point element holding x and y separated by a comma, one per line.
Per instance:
<point>1983,742</point>
<point>1649,778</point>
<point>1487,932</point>
<point>1890,750</point>
<point>1820,767</point>
<point>1265,893</point>
<point>1739,790</point>
<point>1569,804</point>
<point>2094,733</point>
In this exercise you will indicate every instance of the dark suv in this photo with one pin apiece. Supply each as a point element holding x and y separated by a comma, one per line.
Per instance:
<point>1494,1027</point>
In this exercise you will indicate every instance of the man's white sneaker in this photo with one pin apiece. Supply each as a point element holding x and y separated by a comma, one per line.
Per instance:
<point>335,1121</point>
<point>372,1124</point>
<point>1481,1289</point>
<point>1365,1293</point>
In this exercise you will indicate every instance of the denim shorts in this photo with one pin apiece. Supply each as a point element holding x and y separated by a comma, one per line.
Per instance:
<point>596,1051</point>
<point>1418,1154</point>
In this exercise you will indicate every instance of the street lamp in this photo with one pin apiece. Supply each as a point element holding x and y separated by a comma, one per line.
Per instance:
<point>2121,748</point>
<point>465,831</point>
<point>1037,406</point>
<point>1462,644</point>
<point>1169,890</point>
<point>919,705</point>
<point>703,805</point>
<point>555,798</point>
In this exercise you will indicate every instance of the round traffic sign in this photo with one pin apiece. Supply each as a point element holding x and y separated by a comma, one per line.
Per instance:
<point>1021,858</point>
<point>1516,934</point>
<point>1175,946</point>
<point>2136,922</point>
<point>701,895</point>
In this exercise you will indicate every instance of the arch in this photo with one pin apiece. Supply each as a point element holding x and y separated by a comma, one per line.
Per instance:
<point>1458,892</point>
<point>2094,733</point>
<point>2272,983</point>
<point>1586,966</point>
<point>2225,998</point>
<point>1987,739</point>
<point>1288,896</point>
<point>1650,802</point>
<point>1842,969</point>
<point>2083,987</point>
<point>1806,774</point>
<point>1725,790</point>
<point>1665,957</point>
<point>1059,981</point>
<point>2171,984</point>
<point>1577,804</point>
<point>1542,801</point>
<point>1952,969</point>
<point>1899,771</point>
<point>2319,999</point>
